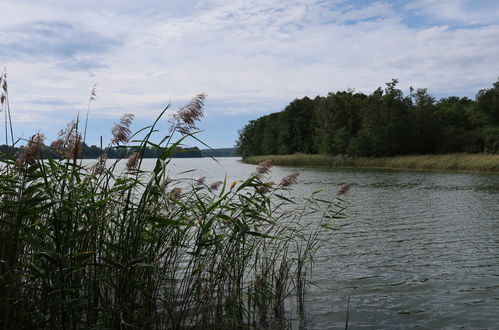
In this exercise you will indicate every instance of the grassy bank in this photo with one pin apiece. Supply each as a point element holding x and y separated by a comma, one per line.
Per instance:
<point>449,162</point>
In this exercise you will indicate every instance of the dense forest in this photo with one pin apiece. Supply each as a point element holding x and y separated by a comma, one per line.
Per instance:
<point>384,123</point>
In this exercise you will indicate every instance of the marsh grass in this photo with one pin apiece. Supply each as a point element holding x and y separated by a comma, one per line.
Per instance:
<point>446,162</point>
<point>86,247</point>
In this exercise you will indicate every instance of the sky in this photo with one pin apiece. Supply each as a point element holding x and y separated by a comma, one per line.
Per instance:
<point>251,58</point>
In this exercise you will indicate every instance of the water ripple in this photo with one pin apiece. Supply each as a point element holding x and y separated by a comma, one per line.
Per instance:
<point>417,249</point>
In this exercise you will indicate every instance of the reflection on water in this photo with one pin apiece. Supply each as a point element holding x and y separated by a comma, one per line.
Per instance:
<point>417,250</point>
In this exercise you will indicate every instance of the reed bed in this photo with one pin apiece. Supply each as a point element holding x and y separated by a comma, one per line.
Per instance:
<point>446,162</point>
<point>86,247</point>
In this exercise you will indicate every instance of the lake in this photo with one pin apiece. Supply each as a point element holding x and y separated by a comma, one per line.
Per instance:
<point>416,250</point>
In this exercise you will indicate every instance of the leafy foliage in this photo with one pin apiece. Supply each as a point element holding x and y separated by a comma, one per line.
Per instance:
<point>384,123</point>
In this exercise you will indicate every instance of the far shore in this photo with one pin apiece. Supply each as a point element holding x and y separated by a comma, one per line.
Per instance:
<point>446,162</point>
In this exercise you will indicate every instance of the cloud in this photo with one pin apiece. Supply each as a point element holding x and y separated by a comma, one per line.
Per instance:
<point>250,57</point>
<point>468,12</point>
<point>58,40</point>
<point>376,10</point>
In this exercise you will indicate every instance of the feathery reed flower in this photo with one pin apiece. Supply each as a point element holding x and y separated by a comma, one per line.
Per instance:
<point>263,189</point>
<point>290,179</point>
<point>187,116</point>
<point>132,161</point>
<point>4,81</point>
<point>3,85</point>
<point>200,181</point>
<point>263,168</point>
<point>121,131</point>
<point>176,192</point>
<point>100,166</point>
<point>344,188</point>
<point>31,152</point>
<point>93,93</point>
<point>215,185</point>
<point>68,143</point>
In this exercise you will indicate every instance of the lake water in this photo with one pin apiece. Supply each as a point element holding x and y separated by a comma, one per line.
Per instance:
<point>416,250</point>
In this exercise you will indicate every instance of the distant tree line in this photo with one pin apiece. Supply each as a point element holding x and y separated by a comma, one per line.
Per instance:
<point>93,152</point>
<point>219,152</point>
<point>384,123</point>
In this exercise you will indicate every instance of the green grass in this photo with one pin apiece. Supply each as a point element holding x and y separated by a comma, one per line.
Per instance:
<point>91,247</point>
<point>449,162</point>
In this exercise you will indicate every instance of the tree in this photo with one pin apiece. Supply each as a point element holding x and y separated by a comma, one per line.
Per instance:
<point>384,123</point>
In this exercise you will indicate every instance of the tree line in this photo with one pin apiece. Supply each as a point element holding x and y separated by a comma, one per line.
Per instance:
<point>93,152</point>
<point>383,123</point>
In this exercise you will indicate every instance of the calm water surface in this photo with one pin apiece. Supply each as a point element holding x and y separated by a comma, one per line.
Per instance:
<point>417,249</point>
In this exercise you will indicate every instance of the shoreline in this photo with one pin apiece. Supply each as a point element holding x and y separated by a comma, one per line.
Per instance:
<point>484,163</point>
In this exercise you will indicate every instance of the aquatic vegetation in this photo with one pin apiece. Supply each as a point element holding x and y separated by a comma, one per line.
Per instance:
<point>447,162</point>
<point>90,247</point>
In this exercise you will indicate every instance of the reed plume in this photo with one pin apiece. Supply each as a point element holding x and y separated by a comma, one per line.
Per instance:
<point>3,97</point>
<point>344,188</point>
<point>93,95</point>
<point>100,166</point>
<point>68,143</point>
<point>121,131</point>
<point>215,185</point>
<point>201,181</point>
<point>3,85</point>
<point>187,116</point>
<point>176,193</point>
<point>290,179</point>
<point>4,82</point>
<point>263,189</point>
<point>132,161</point>
<point>263,168</point>
<point>31,152</point>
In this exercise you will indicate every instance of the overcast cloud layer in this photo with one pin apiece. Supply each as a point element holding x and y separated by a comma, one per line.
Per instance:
<point>250,57</point>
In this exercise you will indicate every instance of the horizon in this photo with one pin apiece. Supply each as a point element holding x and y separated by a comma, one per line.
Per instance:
<point>251,59</point>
